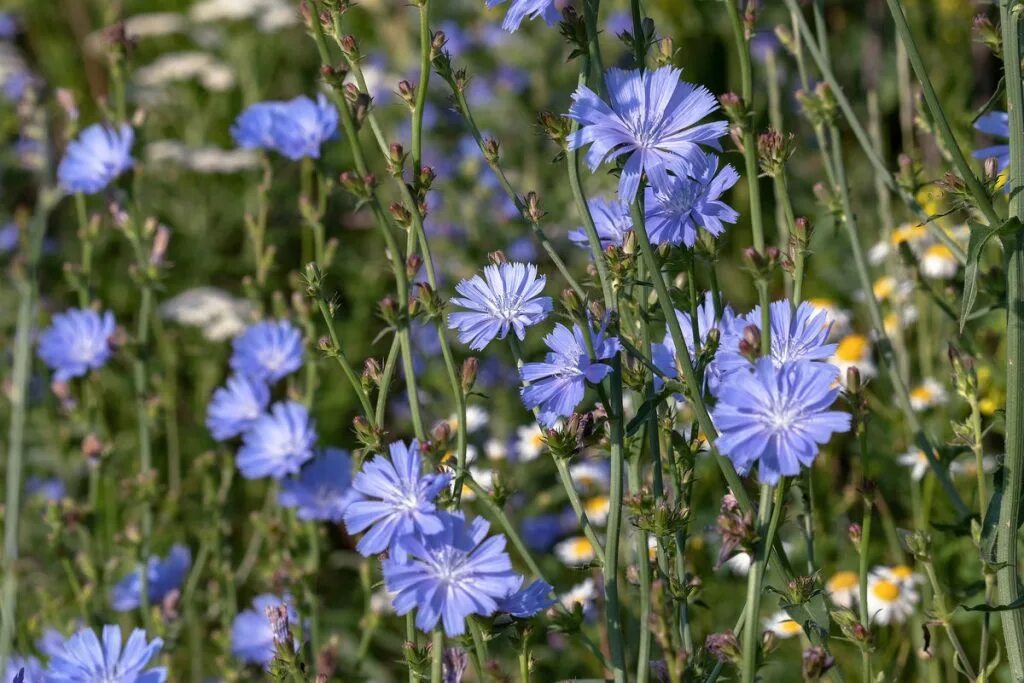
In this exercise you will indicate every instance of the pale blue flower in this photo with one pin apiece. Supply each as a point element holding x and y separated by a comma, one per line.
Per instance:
<point>267,351</point>
<point>507,297</point>
<point>77,341</point>
<point>653,118</point>
<point>96,158</point>
<point>295,128</point>
<point>529,601</point>
<point>997,125</point>
<point>87,659</point>
<point>526,9</point>
<point>612,221</point>
<point>802,335</point>
<point>278,443</point>
<point>162,577</point>
<point>235,407</point>
<point>777,416</point>
<point>252,638</point>
<point>674,213</point>
<point>322,490</point>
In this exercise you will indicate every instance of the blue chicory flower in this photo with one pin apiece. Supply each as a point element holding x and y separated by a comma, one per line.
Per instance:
<point>278,443</point>
<point>267,351</point>
<point>322,489</point>
<point>77,341</point>
<point>87,659</point>
<point>799,335</point>
<point>162,577</point>
<point>996,124</point>
<point>29,668</point>
<point>653,118</point>
<point>507,297</point>
<point>98,156</point>
<point>393,498</point>
<point>526,9</point>
<point>557,385</point>
<point>612,221</point>
<point>673,214</point>
<point>529,601</point>
<point>252,637</point>
<point>49,489</point>
<point>663,354</point>
<point>236,406</point>
<point>777,416</point>
<point>295,128</point>
<point>451,574</point>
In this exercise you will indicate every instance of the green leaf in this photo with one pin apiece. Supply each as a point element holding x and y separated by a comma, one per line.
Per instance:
<point>980,235</point>
<point>1016,604</point>
<point>644,411</point>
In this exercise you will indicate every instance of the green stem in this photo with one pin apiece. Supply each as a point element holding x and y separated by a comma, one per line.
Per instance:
<point>862,567</point>
<point>524,661</point>
<point>28,292</point>
<point>643,655</point>
<point>1007,581</point>
<point>944,617</point>
<point>421,87</point>
<point>751,633</point>
<point>437,656</point>
<point>343,362</point>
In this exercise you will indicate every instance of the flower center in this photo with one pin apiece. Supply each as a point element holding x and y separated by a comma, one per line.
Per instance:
<point>885,590</point>
<point>843,581</point>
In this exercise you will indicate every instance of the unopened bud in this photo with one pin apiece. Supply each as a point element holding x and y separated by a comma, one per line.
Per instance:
<point>497,257</point>
<point>470,366</point>
<point>407,91</point>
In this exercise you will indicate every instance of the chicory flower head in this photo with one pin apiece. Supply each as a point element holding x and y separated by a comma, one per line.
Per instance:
<point>235,407</point>
<point>674,213</point>
<point>664,354</point>
<point>267,351</point>
<point>322,490</point>
<point>295,128</point>
<point>777,416</point>
<point>87,659</point>
<point>557,385</point>
<point>612,221</point>
<point>506,297</point>
<point>996,124</point>
<point>278,443</point>
<point>451,574</point>
<point>653,118</point>
<point>96,158</point>
<point>162,577</point>
<point>393,499</point>
<point>77,341</point>
<point>527,9</point>
<point>529,601</point>
<point>799,335</point>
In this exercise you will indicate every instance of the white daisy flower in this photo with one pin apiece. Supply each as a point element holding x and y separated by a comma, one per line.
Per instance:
<point>878,252</point>
<point>890,601</point>
<point>783,625</point>
<point>496,449</point>
<point>582,594</point>
<point>968,466</point>
<point>476,417</point>
<point>928,394</point>
<point>590,474</point>
<point>916,461</point>
<point>900,319</point>
<point>529,442</point>
<point>597,509</point>
<point>738,564</point>
<point>854,350</point>
<point>575,551</point>
<point>938,263</point>
<point>843,588</point>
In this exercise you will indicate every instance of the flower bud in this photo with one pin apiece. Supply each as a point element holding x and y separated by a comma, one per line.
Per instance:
<point>470,366</point>
<point>815,663</point>
<point>734,108</point>
<point>725,647</point>
<point>371,372</point>
<point>407,91</point>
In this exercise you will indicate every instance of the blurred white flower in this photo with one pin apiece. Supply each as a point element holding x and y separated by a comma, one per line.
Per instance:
<point>938,263</point>
<point>151,24</point>
<point>496,449</point>
<point>529,442</point>
<point>575,551</point>
<point>838,318</point>
<point>175,67</point>
<point>476,417</point>
<point>916,461</point>
<point>219,315</point>
<point>843,588</point>
<point>783,625</point>
<point>590,474</point>
<point>927,395</point>
<point>597,509</point>
<point>854,350</point>
<point>891,598</point>
<point>201,159</point>
<point>968,466</point>
<point>582,594</point>
<point>270,15</point>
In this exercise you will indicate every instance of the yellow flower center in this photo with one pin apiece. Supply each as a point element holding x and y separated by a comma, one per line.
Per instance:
<point>885,590</point>
<point>537,439</point>
<point>852,347</point>
<point>597,507</point>
<point>884,287</point>
<point>921,393</point>
<point>789,626</point>
<point>844,580</point>
<point>902,571</point>
<point>581,547</point>
<point>939,251</point>
<point>908,233</point>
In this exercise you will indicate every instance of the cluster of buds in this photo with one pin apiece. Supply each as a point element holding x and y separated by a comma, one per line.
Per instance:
<point>799,242</point>
<point>801,589</point>
<point>556,126</point>
<point>735,109</point>
<point>427,301</point>
<point>396,159</point>
<point>334,76</point>
<point>724,647</point>
<point>736,528</point>
<point>661,518</point>
<point>361,186</point>
<point>569,440</point>
<point>955,188</point>
<point>574,29</point>
<point>664,52</point>
<point>773,151</point>
<point>988,34</point>
<point>851,627</point>
<point>372,374</point>
<point>371,439</point>
<point>819,106</point>
<point>761,265</point>
<point>918,543</point>
<point>533,210</point>
<point>491,149</point>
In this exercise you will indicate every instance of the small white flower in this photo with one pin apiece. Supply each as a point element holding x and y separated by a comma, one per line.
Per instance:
<point>582,594</point>
<point>597,509</point>
<point>476,417</point>
<point>927,395</point>
<point>575,551</point>
<point>916,461</point>
<point>783,625</point>
<point>878,252</point>
<point>890,599</point>
<point>738,564</point>
<point>218,314</point>
<point>938,263</point>
<point>529,442</point>
<point>854,350</point>
<point>496,449</point>
<point>843,587</point>
<point>590,474</point>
